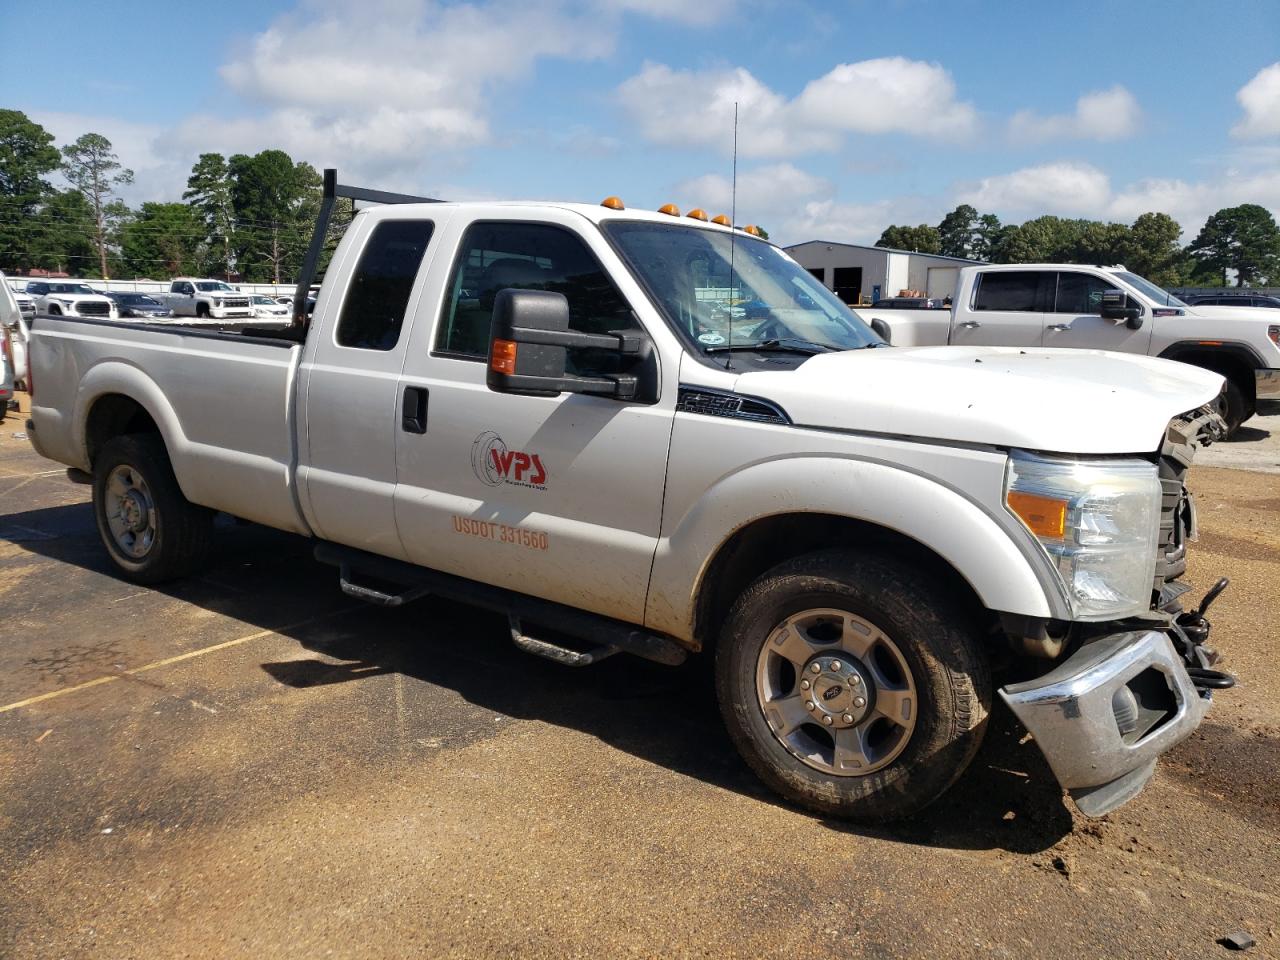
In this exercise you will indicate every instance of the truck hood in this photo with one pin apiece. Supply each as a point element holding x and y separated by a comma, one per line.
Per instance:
<point>1056,401</point>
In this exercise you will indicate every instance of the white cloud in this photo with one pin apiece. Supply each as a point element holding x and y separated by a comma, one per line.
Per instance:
<point>1101,115</point>
<point>889,95</point>
<point>763,189</point>
<point>1051,188</point>
<point>1260,99</point>
<point>696,13</point>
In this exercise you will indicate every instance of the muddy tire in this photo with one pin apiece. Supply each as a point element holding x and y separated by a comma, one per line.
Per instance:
<point>852,686</point>
<point>151,531</point>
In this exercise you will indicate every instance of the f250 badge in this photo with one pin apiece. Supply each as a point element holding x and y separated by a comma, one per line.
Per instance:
<point>495,465</point>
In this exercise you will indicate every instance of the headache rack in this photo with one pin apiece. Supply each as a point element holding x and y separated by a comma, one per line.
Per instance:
<point>332,191</point>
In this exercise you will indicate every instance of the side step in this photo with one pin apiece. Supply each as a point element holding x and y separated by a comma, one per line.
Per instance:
<point>605,635</point>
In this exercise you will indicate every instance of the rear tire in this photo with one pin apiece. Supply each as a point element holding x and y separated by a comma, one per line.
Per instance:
<point>897,707</point>
<point>151,531</point>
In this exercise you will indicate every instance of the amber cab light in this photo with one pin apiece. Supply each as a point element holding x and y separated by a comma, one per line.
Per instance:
<point>721,219</point>
<point>613,203</point>
<point>752,229</point>
<point>670,209</point>
<point>503,358</point>
<point>697,213</point>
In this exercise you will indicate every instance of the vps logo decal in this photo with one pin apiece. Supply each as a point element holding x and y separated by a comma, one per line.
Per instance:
<point>495,465</point>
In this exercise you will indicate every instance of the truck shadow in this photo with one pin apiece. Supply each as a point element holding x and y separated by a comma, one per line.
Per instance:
<point>1008,799</point>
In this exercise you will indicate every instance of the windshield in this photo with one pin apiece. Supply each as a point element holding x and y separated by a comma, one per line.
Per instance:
<point>70,288</point>
<point>214,285</point>
<point>1149,289</point>
<point>265,302</point>
<point>766,296</point>
<point>140,300</point>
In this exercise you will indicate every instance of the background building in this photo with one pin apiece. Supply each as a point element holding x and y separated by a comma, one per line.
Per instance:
<point>858,274</point>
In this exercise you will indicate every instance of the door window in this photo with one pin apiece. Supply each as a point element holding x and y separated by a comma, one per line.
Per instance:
<point>378,296</point>
<point>1080,293</point>
<point>1023,291</point>
<point>529,256</point>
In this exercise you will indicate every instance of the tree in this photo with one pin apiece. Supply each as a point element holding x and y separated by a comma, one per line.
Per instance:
<point>764,234</point>
<point>986,237</point>
<point>1243,239</point>
<point>27,153</point>
<point>1102,244</point>
<point>209,193</point>
<point>1152,250</point>
<point>921,239</point>
<point>92,168</point>
<point>164,238</point>
<point>275,203</point>
<point>58,235</point>
<point>956,231</point>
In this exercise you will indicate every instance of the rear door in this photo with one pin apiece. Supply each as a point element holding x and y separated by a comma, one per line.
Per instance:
<point>1006,309</point>
<point>1076,321</point>
<point>557,497</point>
<point>349,379</point>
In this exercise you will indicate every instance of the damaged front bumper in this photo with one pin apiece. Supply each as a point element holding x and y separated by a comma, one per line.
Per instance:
<point>1104,715</point>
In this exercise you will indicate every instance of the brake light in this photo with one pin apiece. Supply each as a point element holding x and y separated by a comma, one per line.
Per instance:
<point>503,358</point>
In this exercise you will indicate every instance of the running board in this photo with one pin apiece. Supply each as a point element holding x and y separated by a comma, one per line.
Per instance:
<point>605,635</point>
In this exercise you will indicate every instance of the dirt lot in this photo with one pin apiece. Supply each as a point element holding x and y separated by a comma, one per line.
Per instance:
<point>247,764</point>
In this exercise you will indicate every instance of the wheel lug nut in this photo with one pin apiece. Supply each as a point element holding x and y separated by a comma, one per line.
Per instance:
<point>809,704</point>
<point>859,702</point>
<point>855,681</point>
<point>847,718</point>
<point>835,665</point>
<point>816,668</point>
<point>804,684</point>
<point>827,721</point>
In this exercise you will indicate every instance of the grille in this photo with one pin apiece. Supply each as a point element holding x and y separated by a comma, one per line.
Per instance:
<point>234,302</point>
<point>28,307</point>
<point>1186,434</point>
<point>90,308</point>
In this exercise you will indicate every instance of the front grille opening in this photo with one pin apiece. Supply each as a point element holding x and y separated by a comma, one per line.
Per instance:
<point>1143,705</point>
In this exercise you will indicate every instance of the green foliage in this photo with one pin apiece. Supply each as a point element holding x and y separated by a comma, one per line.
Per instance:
<point>164,238</point>
<point>92,168</point>
<point>1244,239</point>
<point>920,239</point>
<point>275,202</point>
<point>59,234</point>
<point>956,231</point>
<point>209,193</point>
<point>27,153</point>
<point>1153,251</point>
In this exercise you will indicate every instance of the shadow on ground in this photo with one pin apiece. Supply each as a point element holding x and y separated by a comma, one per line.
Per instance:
<point>1007,799</point>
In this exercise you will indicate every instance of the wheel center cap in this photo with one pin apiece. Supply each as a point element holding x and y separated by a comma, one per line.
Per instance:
<point>134,511</point>
<point>838,690</point>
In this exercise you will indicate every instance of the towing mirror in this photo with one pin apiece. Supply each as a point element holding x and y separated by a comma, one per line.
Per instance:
<point>1118,305</point>
<point>529,345</point>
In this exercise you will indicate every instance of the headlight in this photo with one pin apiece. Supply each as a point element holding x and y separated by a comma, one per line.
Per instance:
<point>1099,522</point>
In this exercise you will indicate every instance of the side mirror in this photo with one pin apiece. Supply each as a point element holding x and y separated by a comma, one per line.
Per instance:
<point>1118,305</point>
<point>529,344</point>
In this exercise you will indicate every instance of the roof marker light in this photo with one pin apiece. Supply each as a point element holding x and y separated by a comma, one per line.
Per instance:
<point>752,229</point>
<point>670,209</point>
<point>722,220</point>
<point>697,213</point>
<point>613,203</point>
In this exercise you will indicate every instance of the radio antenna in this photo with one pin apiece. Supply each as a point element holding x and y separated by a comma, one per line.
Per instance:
<point>733,234</point>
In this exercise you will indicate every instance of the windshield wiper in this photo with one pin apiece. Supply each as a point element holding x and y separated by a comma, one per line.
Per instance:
<point>775,345</point>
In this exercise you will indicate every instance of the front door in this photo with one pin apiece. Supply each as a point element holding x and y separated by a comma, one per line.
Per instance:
<point>557,497</point>
<point>1007,310</point>
<point>1076,320</point>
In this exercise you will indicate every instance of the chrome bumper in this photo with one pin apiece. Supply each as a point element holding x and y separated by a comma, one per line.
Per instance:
<point>1076,713</point>
<point>1268,384</point>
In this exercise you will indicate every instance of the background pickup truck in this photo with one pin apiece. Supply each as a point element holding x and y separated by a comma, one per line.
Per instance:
<point>206,299</point>
<point>1100,308</point>
<point>545,409</point>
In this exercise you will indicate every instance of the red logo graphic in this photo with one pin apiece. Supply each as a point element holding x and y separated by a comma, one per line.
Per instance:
<point>495,465</point>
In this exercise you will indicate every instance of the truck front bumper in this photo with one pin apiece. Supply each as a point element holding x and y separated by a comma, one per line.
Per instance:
<point>1268,384</point>
<point>1104,715</point>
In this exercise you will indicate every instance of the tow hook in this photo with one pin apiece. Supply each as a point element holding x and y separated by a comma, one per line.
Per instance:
<point>1191,633</point>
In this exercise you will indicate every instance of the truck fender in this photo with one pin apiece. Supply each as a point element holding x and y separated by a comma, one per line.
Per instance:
<point>985,545</point>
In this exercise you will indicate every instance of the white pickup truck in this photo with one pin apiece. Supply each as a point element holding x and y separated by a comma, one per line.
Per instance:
<point>1099,308</point>
<point>545,413</point>
<point>206,299</point>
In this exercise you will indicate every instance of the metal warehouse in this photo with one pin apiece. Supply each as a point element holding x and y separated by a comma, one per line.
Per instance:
<point>858,274</point>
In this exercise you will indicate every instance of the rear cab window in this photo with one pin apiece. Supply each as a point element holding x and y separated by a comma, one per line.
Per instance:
<point>1015,291</point>
<point>377,298</point>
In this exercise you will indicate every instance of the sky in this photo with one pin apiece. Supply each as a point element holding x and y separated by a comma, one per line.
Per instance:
<point>852,115</point>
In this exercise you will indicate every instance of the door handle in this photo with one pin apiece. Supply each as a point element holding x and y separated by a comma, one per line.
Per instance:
<point>413,410</point>
<point>1059,327</point>
<point>970,324</point>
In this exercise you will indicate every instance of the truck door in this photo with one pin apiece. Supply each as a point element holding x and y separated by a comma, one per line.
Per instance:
<point>1077,322</point>
<point>1007,309</point>
<point>348,380</point>
<point>557,497</point>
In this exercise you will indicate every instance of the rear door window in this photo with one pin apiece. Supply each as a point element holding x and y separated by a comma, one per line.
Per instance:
<point>1022,291</point>
<point>378,295</point>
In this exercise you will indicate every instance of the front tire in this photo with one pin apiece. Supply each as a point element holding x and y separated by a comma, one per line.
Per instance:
<point>1233,407</point>
<point>851,686</point>
<point>151,531</point>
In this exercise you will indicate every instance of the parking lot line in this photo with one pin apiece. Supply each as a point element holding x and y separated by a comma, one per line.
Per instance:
<point>167,661</point>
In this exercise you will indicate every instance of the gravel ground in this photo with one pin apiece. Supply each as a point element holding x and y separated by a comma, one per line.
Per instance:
<point>247,764</point>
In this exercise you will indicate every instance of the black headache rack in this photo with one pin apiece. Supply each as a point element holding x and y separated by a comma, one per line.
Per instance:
<point>332,191</point>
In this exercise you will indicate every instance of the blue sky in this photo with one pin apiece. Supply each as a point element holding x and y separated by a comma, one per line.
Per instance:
<point>853,115</point>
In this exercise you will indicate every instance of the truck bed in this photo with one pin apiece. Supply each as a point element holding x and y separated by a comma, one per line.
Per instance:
<point>222,400</point>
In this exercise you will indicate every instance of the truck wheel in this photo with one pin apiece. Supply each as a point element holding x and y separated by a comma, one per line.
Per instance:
<point>850,686</point>
<point>202,310</point>
<point>1233,407</point>
<point>152,532</point>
